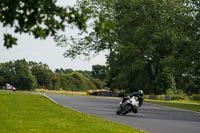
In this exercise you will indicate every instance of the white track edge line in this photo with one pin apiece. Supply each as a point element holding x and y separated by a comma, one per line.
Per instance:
<point>145,102</point>
<point>88,114</point>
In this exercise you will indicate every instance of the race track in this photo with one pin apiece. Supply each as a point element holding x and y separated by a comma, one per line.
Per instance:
<point>151,118</point>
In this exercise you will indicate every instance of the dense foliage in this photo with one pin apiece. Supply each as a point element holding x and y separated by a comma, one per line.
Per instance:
<point>154,45</point>
<point>41,18</point>
<point>30,75</point>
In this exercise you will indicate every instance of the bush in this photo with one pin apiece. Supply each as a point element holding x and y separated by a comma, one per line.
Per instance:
<point>178,97</point>
<point>196,97</point>
<point>78,76</point>
<point>98,83</point>
<point>170,92</point>
<point>180,92</point>
<point>76,82</point>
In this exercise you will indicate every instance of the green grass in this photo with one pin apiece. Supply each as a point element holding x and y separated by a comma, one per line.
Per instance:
<point>26,113</point>
<point>183,104</point>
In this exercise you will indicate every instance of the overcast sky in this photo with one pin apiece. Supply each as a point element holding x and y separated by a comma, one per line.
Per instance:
<point>44,51</point>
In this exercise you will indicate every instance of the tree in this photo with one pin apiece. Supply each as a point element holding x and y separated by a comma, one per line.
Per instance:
<point>42,73</point>
<point>99,71</point>
<point>41,18</point>
<point>100,35</point>
<point>3,74</point>
<point>2,81</point>
<point>150,42</point>
<point>54,82</point>
<point>23,77</point>
<point>155,30</point>
<point>18,74</point>
<point>64,71</point>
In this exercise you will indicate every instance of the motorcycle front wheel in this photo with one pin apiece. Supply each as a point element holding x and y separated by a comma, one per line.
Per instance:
<point>118,112</point>
<point>126,110</point>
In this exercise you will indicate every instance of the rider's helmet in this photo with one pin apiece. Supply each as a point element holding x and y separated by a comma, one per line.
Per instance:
<point>140,93</point>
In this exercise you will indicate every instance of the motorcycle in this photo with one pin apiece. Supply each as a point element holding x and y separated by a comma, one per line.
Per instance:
<point>129,105</point>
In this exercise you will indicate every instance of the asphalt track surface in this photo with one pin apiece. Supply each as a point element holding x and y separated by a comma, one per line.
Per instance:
<point>151,118</point>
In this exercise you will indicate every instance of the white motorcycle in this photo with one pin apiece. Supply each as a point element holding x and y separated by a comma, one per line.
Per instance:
<point>129,105</point>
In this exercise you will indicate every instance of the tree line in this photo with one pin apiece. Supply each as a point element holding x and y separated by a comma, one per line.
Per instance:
<point>26,75</point>
<point>153,45</point>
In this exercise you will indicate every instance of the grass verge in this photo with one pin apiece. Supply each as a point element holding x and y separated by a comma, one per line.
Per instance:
<point>26,113</point>
<point>182,104</point>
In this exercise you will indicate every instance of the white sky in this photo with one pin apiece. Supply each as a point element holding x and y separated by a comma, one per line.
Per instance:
<point>45,51</point>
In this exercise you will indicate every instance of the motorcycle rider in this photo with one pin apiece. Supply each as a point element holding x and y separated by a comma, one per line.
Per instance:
<point>139,95</point>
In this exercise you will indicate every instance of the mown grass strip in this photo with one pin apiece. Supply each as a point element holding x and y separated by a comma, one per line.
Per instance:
<point>26,113</point>
<point>182,104</point>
